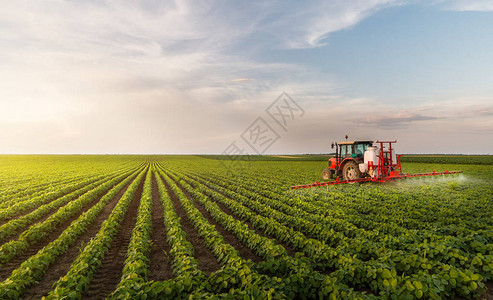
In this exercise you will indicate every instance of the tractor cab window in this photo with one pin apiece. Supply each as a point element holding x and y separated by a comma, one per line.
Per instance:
<point>346,150</point>
<point>360,149</point>
<point>343,150</point>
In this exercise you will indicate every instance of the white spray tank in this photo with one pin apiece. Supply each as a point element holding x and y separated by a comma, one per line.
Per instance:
<point>370,159</point>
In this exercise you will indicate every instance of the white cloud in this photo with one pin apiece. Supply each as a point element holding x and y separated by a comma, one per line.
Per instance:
<point>467,5</point>
<point>310,26</point>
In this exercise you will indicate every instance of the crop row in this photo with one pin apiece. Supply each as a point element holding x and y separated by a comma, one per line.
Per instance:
<point>36,191</point>
<point>136,267</point>
<point>450,220</point>
<point>369,274</point>
<point>35,267</point>
<point>38,173</point>
<point>238,278</point>
<point>395,236</point>
<point>298,280</point>
<point>15,226</point>
<point>236,272</point>
<point>73,284</point>
<point>40,231</point>
<point>413,257</point>
<point>68,193</point>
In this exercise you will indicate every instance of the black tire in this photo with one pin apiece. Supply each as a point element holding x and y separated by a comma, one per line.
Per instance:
<point>351,171</point>
<point>327,174</point>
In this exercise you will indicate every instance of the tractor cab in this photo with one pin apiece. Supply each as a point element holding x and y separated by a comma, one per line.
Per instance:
<point>349,155</point>
<point>354,149</point>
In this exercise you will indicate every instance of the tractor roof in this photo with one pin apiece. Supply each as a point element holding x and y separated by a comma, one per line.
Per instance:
<point>355,142</point>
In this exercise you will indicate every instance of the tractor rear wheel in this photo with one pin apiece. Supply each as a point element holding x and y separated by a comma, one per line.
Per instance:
<point>327,174</point>
<point>351,171</point>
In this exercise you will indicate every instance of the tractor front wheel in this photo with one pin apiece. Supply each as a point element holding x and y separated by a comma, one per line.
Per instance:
<point>327,174</point>
<point>351,171</point>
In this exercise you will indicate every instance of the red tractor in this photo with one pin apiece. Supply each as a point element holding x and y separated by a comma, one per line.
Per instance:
<point>345,164</point>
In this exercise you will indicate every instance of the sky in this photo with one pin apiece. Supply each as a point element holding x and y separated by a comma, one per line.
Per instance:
<point>212,77</point>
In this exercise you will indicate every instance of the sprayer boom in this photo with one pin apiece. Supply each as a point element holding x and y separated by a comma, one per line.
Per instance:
<point>382,179</point>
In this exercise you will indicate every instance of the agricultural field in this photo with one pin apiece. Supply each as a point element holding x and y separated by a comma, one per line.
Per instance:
<point>171,227</point>
<point>450,159</point>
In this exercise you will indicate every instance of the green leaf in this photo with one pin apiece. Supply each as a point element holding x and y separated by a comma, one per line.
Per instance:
<point>418,285</point>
